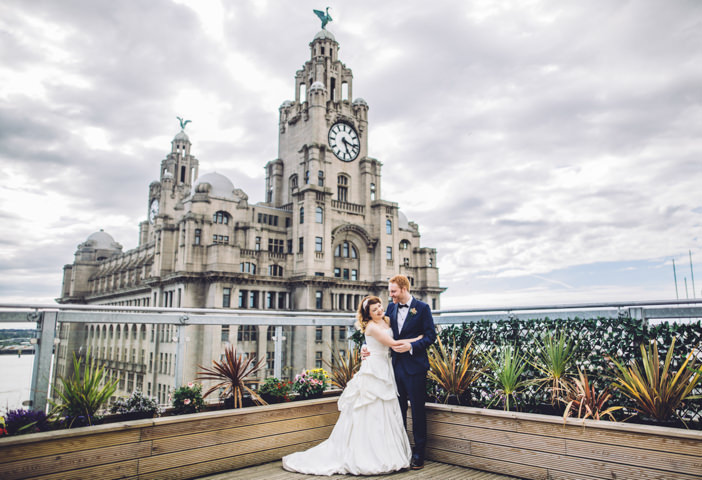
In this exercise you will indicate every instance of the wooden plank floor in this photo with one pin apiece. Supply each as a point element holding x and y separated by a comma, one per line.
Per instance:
<point>431,471</point>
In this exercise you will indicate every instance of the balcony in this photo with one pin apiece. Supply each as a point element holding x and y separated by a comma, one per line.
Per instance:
<point>249,442</point>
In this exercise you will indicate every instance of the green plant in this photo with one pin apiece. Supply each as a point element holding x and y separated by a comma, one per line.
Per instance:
<point>187,399</point>
<point>311,383</point>
<point>582,395</point>
<point>657,391</point>
<point>504,372</point>
<point>230,375</point>
<point>82,395</point>
<point>136,403</point>
<point>454,373</point>
<point>274,389</point>
<point>345,367</point>
<point>553,360</point>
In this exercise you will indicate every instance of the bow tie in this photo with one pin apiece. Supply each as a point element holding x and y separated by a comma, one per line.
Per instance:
<point>402,306</point>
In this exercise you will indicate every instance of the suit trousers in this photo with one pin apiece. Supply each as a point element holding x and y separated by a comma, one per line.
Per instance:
<point>413,388</point>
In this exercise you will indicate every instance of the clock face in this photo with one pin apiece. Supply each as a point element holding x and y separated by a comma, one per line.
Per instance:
<point>153,210</point>
<point>344,141</point>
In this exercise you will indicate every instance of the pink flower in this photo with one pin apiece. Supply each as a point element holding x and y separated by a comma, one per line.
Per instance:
<point>190,384</point>
<point>186,401</point>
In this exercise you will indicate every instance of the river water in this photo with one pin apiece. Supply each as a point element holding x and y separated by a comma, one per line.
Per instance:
<point>15,380</point>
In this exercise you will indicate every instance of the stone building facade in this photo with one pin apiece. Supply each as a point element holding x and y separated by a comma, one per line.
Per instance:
<point>321,240</point>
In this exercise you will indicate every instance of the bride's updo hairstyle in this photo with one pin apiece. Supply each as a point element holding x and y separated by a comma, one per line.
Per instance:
<point>363,315</point>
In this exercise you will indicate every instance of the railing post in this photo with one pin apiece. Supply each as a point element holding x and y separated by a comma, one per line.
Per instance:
<point>278,352</point>
<point>43,352</point>
<point>180,352</point>
<point>637,313</point>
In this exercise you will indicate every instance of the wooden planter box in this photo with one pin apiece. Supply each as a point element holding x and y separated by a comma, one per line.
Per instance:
<point>535,446</point>
<point>519,444</point>
<point>179,447</point>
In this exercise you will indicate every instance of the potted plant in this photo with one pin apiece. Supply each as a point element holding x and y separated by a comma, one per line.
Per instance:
<point>230,375</point>
<point>454,370</point>
<point>311,383</point>
<point>136,406</point>
<point>20,421</point>
<point>275,391</point>
<point>187,399</point>
<point>656,390</point>
<point>582,397</point>
<point>345,367</point>
<point>82,395</point>
<point>504,373</point>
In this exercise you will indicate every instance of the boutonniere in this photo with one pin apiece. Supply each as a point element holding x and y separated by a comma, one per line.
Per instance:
<point>413,311</point>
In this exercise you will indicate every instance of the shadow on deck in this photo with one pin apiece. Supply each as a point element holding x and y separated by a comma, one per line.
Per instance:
<point>431,471</point>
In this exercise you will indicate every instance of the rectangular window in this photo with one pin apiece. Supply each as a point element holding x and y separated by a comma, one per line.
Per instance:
<point>318,334</point>
<point>288,222</point>
<point>318,244</point>
<point>290,247</point>
<point>242,298</point>
<point>342,336</point>
<point>318,299</point>
<point>198,235</point>
<point>253,299</point>
<point>281,300</point>
<point>354,274</point>
<point>388,253</point>
<point>337,272</point>
<point>301,245</point>
<point>318,360</point>
<point>226,297</point>
<point>270,303</point>
<point>346,273</point>
<point>225,333</point>
<point>258,243</point>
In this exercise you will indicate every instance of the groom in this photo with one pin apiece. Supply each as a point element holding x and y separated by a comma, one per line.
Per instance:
<point>410,318</point>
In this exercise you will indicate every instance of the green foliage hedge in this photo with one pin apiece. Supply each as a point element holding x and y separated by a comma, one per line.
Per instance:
<point>595,338</point>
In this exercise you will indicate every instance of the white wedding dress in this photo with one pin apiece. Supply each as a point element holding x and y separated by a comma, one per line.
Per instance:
<point>369,437</point>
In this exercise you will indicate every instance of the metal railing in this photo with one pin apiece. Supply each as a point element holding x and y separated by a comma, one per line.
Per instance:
<point>46,318</point>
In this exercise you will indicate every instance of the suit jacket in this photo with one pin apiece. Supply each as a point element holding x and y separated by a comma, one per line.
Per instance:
<point>418,322</point>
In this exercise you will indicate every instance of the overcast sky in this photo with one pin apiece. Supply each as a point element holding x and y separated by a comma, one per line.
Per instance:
<point>549,150</point>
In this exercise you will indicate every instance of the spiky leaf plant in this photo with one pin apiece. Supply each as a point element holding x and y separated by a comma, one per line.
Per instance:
<point>504,372</point>
<point>345,367</point>
<point>582,397</point>
<point>554,361</point>
<point>453,369</point>
<point>656,390</point>
<point>230,375</point>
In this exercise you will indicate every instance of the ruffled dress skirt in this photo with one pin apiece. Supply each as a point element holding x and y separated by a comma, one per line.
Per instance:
<point>369,437</point>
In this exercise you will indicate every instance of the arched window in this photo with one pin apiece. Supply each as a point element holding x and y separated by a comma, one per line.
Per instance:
<point>372,191</point>
<point>388,226</point>
<point>404,245</point>
<point>118,331</point>
<point>319,215</point>
<point>221,217</point>
<point>342,189</point>
<point>248,267</point>
<point>346,250</point>
<point>302,214</point>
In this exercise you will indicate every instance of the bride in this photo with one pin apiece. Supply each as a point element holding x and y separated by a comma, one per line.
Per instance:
<point>369,437</point>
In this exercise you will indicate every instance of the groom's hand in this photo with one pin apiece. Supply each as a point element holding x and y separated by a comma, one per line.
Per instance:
<point>405,347</point>
<point>364,352</point>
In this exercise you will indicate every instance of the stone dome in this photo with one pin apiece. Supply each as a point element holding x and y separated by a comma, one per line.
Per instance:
<point>360,101</point>
<point>324,35</point>
<point>182,136</point>
<point>216,184</point>
<point>286,103</point>
<point>101,241</point>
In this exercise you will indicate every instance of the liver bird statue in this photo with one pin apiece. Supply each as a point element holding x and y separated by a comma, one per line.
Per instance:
<point>324,17</point>
<point>183,123</point>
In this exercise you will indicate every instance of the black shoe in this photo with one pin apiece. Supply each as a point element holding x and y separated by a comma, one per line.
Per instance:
<point>417,462</point>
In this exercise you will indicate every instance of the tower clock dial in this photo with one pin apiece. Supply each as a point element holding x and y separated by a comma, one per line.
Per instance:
<point>153,210</point>
<point>344,141</point>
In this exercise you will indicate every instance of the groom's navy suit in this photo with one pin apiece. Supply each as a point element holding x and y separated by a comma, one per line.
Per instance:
<point>411,368</point>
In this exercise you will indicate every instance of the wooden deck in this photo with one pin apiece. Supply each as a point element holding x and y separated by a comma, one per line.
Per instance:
<point>431,471</point>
